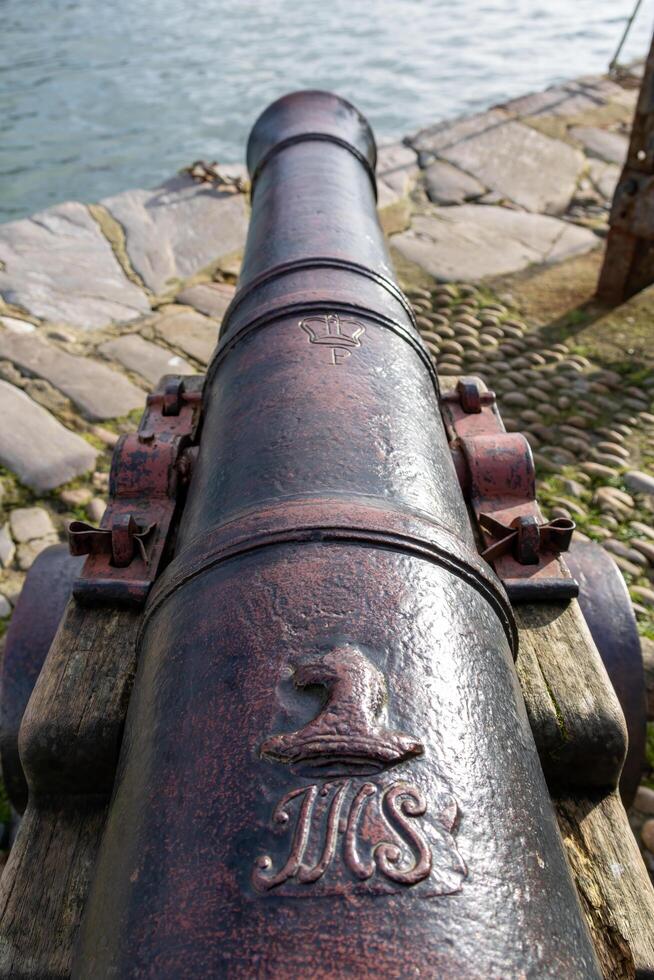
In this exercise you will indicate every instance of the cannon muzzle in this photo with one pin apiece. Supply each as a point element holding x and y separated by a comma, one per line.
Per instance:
<point>327,768</point>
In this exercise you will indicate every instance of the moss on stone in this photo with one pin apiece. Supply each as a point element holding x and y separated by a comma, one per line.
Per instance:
<point>557,127</point>
<point>409,274</point>
<point>559,299</point>
<point>15,493</point>
<point>115,235</point>
<point>622,337</point>
<point>549,294</point>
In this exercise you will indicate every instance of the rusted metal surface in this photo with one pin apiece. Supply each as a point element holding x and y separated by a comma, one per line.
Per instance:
<point>497,475</point>
<point>629,259</point>
<point>327,767</point>
<point>606,605</point>
<point>33,625</point>
<point>339,519</point>
<point>149,471</point>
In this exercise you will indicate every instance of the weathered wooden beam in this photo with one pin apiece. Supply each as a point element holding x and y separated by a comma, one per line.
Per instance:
<point>629,258</point>
<point>612,882</point>
<point>573,711</point>
<point>44,885</point>
<point>69,744</point>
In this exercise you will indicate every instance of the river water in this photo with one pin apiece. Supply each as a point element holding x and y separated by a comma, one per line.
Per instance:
<point>97,97</point>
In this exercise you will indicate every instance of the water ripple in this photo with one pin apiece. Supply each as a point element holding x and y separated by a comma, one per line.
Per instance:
<point>98,97</point>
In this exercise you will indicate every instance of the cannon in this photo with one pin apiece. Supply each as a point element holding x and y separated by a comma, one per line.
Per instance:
<point>279,731</point>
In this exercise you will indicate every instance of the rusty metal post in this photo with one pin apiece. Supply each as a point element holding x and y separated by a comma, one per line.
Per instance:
<point>629,258</point>
<point>327,767</point>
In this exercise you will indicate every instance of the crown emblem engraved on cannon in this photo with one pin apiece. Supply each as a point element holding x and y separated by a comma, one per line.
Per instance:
<point>341,334</point>
<point>346,736</point>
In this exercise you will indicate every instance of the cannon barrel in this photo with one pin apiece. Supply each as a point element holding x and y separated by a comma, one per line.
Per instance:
<point>327,768</point>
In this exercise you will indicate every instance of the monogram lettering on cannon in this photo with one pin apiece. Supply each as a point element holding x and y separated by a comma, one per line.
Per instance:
<point>380,821</point>
<point>347,833</point>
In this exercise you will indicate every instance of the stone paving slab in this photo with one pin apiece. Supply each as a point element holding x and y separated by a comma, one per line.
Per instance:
<point>555,101</point>
<point>446,184</point>
<point>470,242</point>
<point>397,166</point>
<point>178,229</point>
<point>434,139</point>
<point>35,446</point>
<point>94,388</point>
<point>195,334</point>
<point>142,357</point>
<point>58,266</point>
<point>536,172</point>
<point>17,326</point>
<point>211,298</point>
<point>605,177</point>
<point>393,209</point>
<point>599,86</point>
<point>570,99</point>
<point>602,143</point>
<point>536,102</point>
<point>574,104</point>
<point>627,97</point>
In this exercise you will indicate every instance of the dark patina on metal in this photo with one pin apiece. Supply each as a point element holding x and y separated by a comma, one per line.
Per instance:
<point>327,767</point>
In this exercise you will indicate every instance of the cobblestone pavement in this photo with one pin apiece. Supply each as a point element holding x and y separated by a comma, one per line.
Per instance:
<point>493,221</point>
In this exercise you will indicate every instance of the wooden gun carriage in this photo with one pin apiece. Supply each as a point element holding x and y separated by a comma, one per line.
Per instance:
<point>322,700</point>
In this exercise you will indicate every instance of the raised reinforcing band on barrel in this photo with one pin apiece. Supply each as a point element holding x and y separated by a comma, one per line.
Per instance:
<point>316,262</point>
<point>307,138</point>
<point>308,307</point>
<point>336,521</point>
